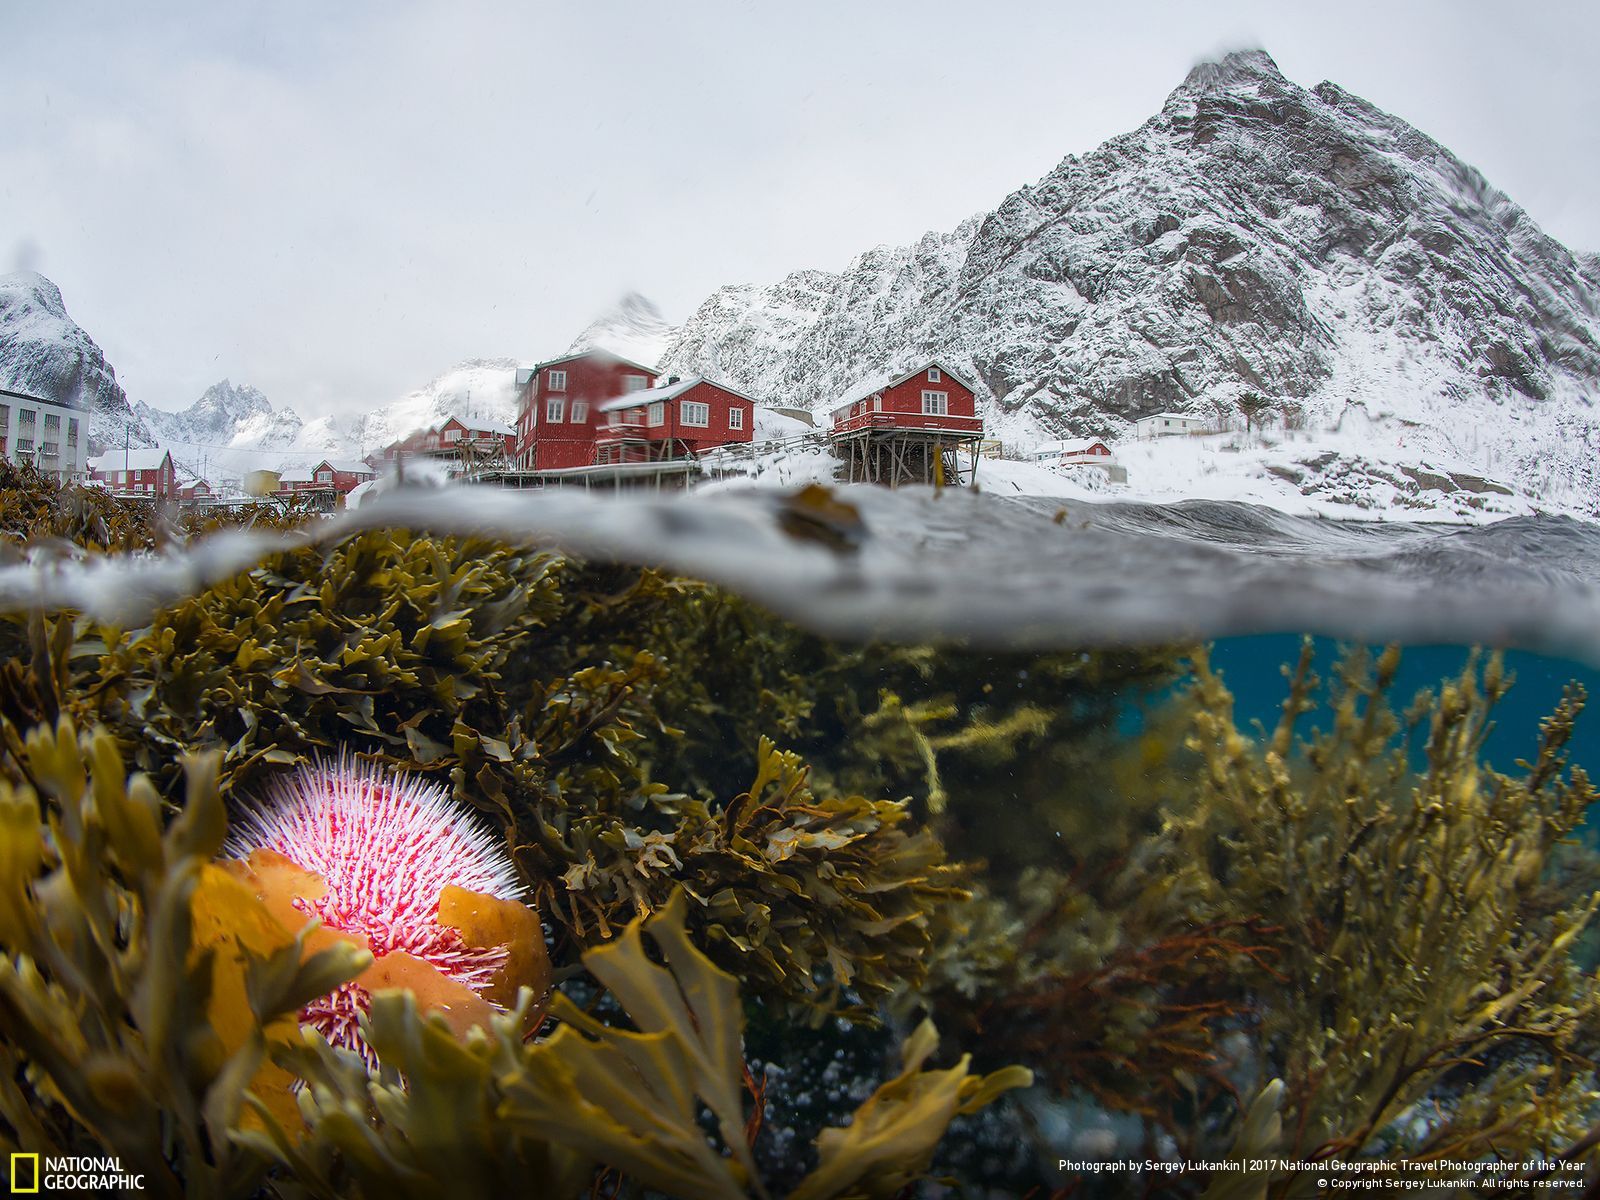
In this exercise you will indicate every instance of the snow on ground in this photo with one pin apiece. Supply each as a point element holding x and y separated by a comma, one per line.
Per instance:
<point>1362,476</point>
<point>1368,470</point>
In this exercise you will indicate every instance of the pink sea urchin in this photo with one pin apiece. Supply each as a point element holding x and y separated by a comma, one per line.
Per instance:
<point>386,845</point>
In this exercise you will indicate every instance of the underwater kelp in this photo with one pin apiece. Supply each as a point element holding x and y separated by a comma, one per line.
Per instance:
<point>139,988</point>
<point>146,1001</point>
<point>1423,1000</point>
<point>530,682</point>
<point>489,1117</point>
<point>1159,911</point>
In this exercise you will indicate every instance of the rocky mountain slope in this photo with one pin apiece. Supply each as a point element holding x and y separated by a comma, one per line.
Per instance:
<point>44,353</point>
<point>1253,236</point>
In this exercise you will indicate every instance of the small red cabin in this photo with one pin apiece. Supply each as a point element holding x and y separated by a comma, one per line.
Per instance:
<point>558,407</point>
<point>1076,451</point>
<point>335,475</point>
<point>927,400</point>
<point>141,472</point>
<point>677,420</point>
<point>482,437</point>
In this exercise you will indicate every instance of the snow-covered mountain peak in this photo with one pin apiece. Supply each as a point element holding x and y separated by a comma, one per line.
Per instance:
<point>1245,71</point>
<point>43,352</point>
<point>1253,238</point>
<point>238,402</point>
<point>225,416</point>
<point>633,328</point>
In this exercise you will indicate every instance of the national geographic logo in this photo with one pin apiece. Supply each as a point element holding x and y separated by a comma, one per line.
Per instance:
<point>33,1173</point>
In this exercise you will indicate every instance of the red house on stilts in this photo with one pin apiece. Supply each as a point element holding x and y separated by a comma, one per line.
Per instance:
<point>910,428</point>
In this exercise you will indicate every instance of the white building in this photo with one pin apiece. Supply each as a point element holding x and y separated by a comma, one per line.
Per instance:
<point>1167,424</point>
<point>46,434</point>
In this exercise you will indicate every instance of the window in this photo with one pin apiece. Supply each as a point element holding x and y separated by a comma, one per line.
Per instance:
<point>934,376</point>
<point>580,411</point>
<point>324,476</point>
<point>24,445</point>
<point>52,421</point>
<point>877,404</point>
<point>72,430</point>
<point>736,418</point>
<point>25,419</point>
<point>452,435</point>
<point>558,382</point>
<point>697,414</point>
<point>935,404</point>
<point>634,383</point>
<point>555,409</point>
<point>50,449</point>
<point>658,414</point>
<point>5,415</point>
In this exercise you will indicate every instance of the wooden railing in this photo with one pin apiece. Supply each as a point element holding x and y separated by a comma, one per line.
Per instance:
<point>911,422</point>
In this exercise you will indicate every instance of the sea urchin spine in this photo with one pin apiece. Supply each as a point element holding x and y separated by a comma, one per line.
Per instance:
<point>386,845</point>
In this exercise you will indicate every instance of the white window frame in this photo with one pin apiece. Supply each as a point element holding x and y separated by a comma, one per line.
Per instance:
<point>452,435</point>
<point>934,376</point>
<point>555,409</point>
<point>656,415</point>
<point>695,413</point>
<point>877,404</point>
<point>580,412</point>
<point>325,476</point>
<point>634,383</point>
<point>557,381</point>
<point>935,404</point>
<point>736,418</point>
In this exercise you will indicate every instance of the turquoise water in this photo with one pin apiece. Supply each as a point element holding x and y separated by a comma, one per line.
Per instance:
<point>1250,666</point>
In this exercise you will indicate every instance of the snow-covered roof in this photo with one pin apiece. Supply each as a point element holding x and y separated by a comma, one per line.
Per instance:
<point>1079,445</point>
<point>476,425</point>
<point>650,395</point>
<point>350,466</point>
<point>881,381</point>
<point>1172,416</point>
<point>295,475</point>
<point>668,391</point>
<point>129,460</point>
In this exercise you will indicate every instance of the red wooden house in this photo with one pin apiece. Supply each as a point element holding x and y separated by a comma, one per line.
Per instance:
<point>558,407</point>
<point>927,400</point>
<point>1080,451</point>
<point>136,472</point>
<point>482,437</point>
<point>677,420</point>
<point>196,491</point>
<point>329,475</point>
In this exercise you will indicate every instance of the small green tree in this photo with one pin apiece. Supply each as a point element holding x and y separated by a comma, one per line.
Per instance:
<point>1253,405</point>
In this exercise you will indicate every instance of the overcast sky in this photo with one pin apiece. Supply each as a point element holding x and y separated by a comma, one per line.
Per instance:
<point>336,202</point>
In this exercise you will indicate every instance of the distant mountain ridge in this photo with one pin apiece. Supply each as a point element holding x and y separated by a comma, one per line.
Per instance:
<point>1253,236</point>
<point>224,415</point>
